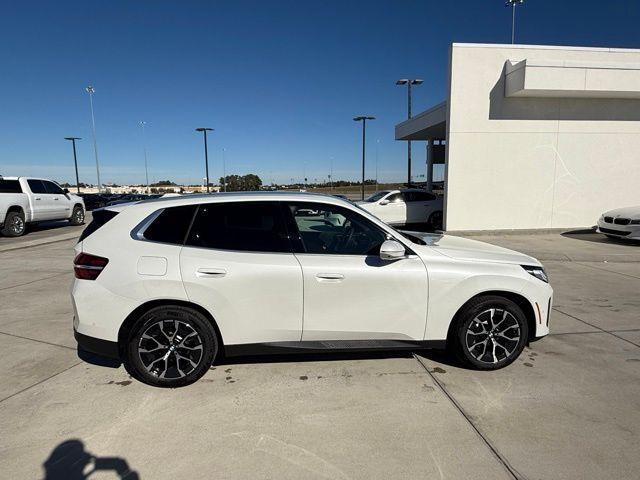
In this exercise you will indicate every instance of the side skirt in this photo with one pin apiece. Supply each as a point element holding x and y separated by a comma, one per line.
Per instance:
<point>278,348</point>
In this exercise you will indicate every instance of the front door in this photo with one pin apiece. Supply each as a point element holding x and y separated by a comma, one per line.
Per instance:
<point>42,203</point>
<point>238,264</point>
<point>349,292</point>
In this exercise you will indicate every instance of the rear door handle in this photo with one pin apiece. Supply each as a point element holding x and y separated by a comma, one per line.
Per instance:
<point>38,198</point>
<point>336,277</point>
<point>211,272</point>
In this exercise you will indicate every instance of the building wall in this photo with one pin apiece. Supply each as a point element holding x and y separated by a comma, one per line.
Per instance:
<point>531,163</point>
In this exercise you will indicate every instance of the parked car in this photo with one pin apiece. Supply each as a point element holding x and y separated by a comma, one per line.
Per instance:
<point>26,200</point>
<point>406,207</point>
<point>93,201</point>
<point>621,223</point>
<point>170,285</point>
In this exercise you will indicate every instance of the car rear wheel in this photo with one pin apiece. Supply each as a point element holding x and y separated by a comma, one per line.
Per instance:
<point>77,216</point>
<point>435,221</point>
<point>170,346</point>
<point>490,333</point>
<point>14,225</point>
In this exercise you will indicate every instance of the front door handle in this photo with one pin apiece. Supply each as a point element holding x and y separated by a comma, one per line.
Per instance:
<point>38,198</point>
<point>336,277</point>
<point>211,272</point>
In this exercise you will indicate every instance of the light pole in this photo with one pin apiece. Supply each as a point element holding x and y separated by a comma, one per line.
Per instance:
<point>377,148</point>
<point>363,119</point>
<point>513,4</point>
<point>331,173</point>
<point>224,170</point>
<point>90,90</point>
<point>75,159</point>
<point>144,147</point>
<point>206,151</point>
<point>409,82</point>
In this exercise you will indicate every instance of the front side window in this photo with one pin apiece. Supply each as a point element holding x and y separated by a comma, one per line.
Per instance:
<point>334,230</point>
<point>244,226</point>
<point>377,196</point>
<point>36,186</point>
<point>395,198</point>
<point>171,225</point>
<point>52,188</point>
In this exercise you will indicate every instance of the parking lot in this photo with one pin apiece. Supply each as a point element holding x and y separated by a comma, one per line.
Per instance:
<point>569,407</point>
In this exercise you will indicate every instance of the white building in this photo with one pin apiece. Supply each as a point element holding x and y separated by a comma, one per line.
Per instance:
<point>535,137</point>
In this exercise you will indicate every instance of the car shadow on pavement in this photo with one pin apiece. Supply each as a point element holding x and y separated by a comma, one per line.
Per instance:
<point>98,360</point>
<point>590,235</point>
<point>70,461</point>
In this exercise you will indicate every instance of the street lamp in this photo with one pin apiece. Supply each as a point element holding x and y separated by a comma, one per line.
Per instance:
<point>409,82</point>
<point>224,169</point>
<point>206,151</point>
<point>75,159</point>
<point>513,4</point>
<point>90,90</point>
<point>363,119</point>
<point>144,147</point>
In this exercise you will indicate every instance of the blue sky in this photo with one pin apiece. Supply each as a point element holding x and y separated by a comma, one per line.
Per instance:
<point>279,80</point>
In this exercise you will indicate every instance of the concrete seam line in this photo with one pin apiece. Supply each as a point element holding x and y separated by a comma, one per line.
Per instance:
<point>36,340</point>
<point>40,382</point>
<point>608,271</point>
<point>594,331</point>
<point>503,461</point>
<point>35,281</point>
<point>48,242</point>
<point>595,326</point>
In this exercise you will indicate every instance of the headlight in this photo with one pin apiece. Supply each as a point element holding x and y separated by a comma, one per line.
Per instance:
<point>537,272</point>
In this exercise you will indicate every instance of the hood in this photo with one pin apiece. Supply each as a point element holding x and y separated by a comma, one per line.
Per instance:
<point>473,250</point>
<point>628,212</point>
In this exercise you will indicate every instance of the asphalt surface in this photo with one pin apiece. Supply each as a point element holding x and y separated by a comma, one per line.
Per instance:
<point>568,408</point>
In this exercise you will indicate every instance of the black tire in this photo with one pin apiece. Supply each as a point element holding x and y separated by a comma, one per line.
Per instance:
<point>14,225</point>
<point>435,221</point>
<point>490,351</point>
<point>77,216</point>
<point>170,367</point>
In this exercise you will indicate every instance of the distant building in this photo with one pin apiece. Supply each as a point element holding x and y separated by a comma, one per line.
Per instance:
<point>534,137</point>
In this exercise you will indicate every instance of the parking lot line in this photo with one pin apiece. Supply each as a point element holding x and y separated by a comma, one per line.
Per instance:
<point>610,332</point>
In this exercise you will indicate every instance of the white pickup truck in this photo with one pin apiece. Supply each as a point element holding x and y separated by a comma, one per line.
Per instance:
<point>26,200</point>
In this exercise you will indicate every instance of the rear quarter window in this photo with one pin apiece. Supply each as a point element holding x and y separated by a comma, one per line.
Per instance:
<point>99,219</point>
<point>10,186</point>
<point>171,225</point>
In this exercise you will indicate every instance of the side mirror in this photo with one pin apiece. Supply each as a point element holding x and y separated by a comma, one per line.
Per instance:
<point>392,250</point>
<point>384,202</point>
<point>65,190</point>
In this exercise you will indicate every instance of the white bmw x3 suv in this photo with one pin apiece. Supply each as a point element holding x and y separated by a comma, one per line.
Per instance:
<point>169,285</point>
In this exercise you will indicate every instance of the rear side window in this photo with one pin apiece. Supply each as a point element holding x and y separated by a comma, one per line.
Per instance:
<point>99,218</point>
<point>420,197</point>
<point>171,225</point>
<point>10,186</point>
<point>245,226</point>
<point>36,186</point>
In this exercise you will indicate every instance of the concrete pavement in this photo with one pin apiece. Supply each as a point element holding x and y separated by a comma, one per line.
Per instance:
<point>568,408</point>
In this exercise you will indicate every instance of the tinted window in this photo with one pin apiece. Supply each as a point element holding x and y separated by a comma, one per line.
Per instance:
<point>335,230</point>
<point>36,186</point>
<point>247,226</point>
<point>171,225</point>
<point>52,188</point>
<point>419,196</point>
<point>377,196</point>
<point>98,219</point>
<point>10,186</point>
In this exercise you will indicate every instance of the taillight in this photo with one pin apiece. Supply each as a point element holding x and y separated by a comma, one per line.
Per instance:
<point>88,267</point>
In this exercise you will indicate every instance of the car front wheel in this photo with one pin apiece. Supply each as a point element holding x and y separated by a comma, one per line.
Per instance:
<point>170,346</point>
<point>490,333</point>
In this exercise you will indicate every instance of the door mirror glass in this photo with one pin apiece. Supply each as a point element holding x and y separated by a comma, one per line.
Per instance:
<point>391,250</point>
<point>384,202</point>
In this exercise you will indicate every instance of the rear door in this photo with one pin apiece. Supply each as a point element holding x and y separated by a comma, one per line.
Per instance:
<point>41,201</point>
<point>238,264</point>
<point>418,206</point>
<point>60,206</point>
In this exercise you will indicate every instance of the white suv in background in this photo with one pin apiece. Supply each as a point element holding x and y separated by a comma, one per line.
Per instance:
<point>169,285</point>
<point>28,200</point>
<point>411,206</point>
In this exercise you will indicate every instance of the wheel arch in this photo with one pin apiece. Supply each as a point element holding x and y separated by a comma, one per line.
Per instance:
<point>128,323</point>
<point>16,208</point>
<point>520,300</point>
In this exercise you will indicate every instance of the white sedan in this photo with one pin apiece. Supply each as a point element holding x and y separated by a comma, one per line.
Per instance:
<point>406,207</point>
<point>621,223</point>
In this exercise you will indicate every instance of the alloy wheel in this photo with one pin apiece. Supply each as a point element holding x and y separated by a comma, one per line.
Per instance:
<point>170,349</point>
<point>493,336</point>
<point>79,215</point>
<point>17,225</point>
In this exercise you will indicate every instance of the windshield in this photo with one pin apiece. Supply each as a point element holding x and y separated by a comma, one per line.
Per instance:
<point>377,196</point>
